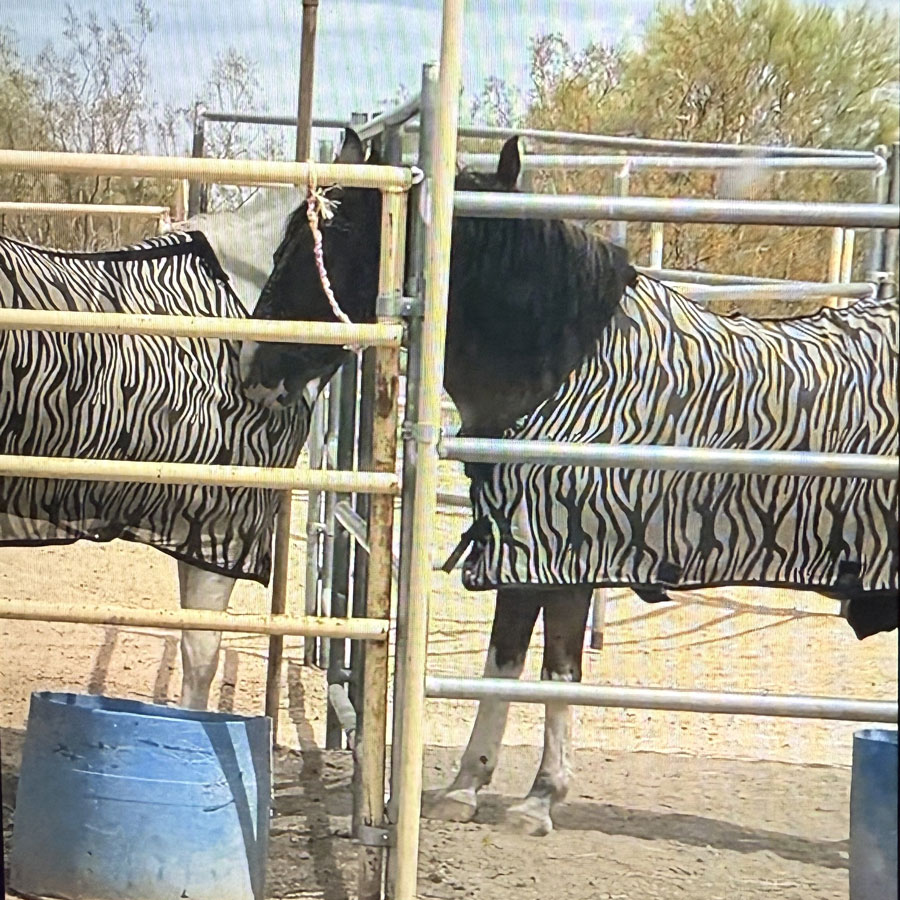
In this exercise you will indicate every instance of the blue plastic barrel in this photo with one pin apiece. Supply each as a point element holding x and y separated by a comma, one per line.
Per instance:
<point>119,799</point>
<point>873,816</point>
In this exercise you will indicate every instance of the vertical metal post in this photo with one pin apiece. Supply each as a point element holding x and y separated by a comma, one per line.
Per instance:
<point>619,230</point>
<point>415,287</point>
<point>526,181</point>
<point>280,570</point>
<point>393,145</point>
<point>331,441</point>
<point>307,71</point>
<point>373,732</point>
<point>368,425</point>
<point>656,245</point>
<point>356,687</point>
<point>314,513</point>
<point>834,257</point>
<point>281,562</point>
<point>340,575</point>
<point>338,561</point>
<point>891,257</point>
<point>847,259</point>
<point>427,433</point>
<point>326,151</point>
<point>880,188</point>
<point>315,444</point>
<point>196,190</point>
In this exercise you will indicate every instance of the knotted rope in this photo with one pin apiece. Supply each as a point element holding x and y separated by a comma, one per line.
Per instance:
<point>318,205</point>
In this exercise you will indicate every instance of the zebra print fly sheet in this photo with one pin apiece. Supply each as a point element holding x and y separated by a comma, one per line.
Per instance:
<point>124,397</point>
<point>667,372</point>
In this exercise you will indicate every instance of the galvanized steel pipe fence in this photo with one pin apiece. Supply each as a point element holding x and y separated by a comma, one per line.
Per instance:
<point>424,385</point>
<point>427,277</point>
<point>372,622</point>
<point>341,522</point>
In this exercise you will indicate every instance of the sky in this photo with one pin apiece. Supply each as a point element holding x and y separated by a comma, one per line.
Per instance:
<point>366,49</point>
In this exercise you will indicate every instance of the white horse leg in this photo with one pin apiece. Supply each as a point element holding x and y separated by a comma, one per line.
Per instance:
<point>565,618</point>
<point>200,649</point>
<point>514,618</point>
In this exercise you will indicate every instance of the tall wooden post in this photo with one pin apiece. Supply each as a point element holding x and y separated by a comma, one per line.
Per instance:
<point>281,561</point>
<point>307,69</point>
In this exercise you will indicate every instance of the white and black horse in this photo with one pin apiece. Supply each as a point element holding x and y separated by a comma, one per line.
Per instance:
<point>160,404</point>
<point>529,302</point>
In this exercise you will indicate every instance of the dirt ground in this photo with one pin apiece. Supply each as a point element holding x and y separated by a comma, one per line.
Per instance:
<point>662,804</point>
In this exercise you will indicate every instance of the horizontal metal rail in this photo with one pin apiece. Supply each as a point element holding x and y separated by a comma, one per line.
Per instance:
<point>649,145</point>
<point>390,119</point>
<point>195,620</point>
<point>688,276</point>
<point>222,171</point>
<point>263,119</point>
<point>676,209</point>
<point>867,163</point>
<point>785,291</point>
<point>273,479</point>
<point>845,709</point>
<point>611,142</point>
<point>82,209</point>
<point>210,327</point>
<point>445,498</point>
<point>664,458</point>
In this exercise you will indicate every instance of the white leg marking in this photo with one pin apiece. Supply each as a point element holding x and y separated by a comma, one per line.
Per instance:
<point>200,649</point>
<point>532,815</point>
<point>459,802</point>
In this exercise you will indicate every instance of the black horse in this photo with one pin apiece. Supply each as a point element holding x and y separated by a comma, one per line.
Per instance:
<point>528,301</point>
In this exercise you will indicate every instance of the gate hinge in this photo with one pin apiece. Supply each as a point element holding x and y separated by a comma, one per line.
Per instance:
<point>376,835</point>
<point>397,305</point>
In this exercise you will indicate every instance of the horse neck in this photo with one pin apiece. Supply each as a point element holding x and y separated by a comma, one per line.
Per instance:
<point>514,330</point>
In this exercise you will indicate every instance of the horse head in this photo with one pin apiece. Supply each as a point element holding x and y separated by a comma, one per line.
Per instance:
<point>276,373</point>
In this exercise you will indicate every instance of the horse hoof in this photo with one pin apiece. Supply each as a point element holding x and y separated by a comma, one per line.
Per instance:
<point>450,806</point>
<point>530,817</point>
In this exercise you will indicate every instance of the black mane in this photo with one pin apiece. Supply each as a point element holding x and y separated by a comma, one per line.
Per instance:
<point>529,298</point>
<point>542,273</point>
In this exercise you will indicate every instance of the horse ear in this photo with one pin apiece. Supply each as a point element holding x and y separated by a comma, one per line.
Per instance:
<point>509,169</point>
<point>352,151</point>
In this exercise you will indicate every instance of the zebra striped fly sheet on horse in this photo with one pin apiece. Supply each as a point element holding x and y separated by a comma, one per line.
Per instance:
<point>100,396</point>
<point>667,372</point>
<point>551,333</point>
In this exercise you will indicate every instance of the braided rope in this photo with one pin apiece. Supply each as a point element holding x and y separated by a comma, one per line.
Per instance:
<point>319,205</point>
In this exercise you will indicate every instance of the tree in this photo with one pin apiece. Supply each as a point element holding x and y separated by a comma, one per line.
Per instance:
<point>21,124</point>
<point>746,71</point>
<point>90,94</point>
<point>233,86</point>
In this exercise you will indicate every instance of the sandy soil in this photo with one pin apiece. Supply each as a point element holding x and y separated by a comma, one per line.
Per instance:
<point>662,804</point>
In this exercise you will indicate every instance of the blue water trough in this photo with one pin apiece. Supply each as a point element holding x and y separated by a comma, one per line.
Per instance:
<point>873,815</point>
<point>121,800</point>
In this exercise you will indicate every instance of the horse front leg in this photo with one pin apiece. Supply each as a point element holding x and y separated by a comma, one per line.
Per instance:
<point>200,649</point>
<point>514,617</point>
<point>565,619</point>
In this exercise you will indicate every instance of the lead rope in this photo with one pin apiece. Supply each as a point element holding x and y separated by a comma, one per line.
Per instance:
<point>318,205</point>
